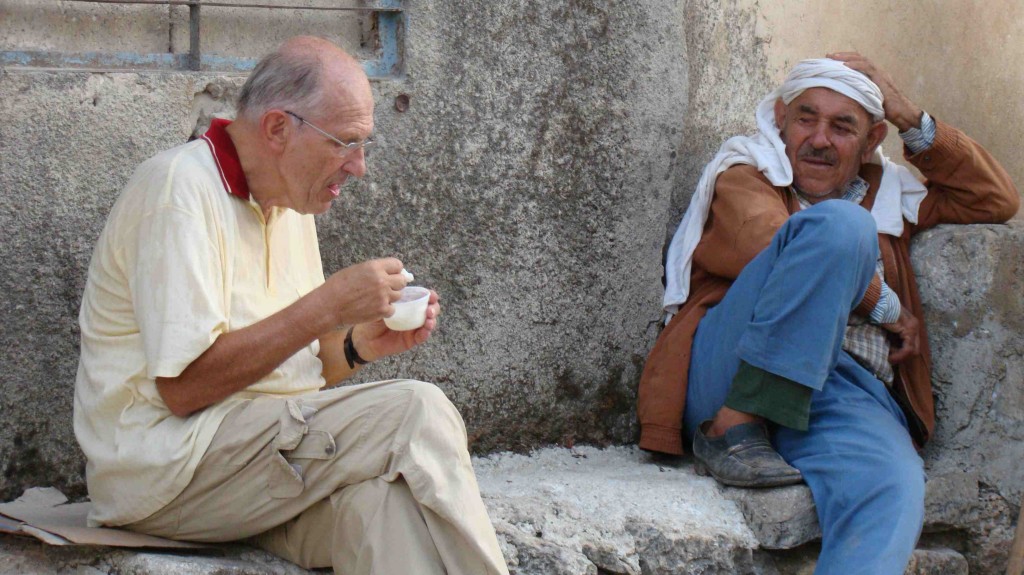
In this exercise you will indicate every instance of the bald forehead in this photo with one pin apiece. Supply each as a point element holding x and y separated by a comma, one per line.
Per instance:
<point>313,45</point>
<point>332,59</point>
<point>343,79</point>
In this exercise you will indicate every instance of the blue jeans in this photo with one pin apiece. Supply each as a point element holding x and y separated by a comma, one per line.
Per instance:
<point>786,313</point>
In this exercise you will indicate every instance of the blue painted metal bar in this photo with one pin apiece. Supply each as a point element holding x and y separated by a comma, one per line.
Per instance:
<point>117,61</point>
<point>195,54</point>
<point>391,35</point>
<point>113,60</point>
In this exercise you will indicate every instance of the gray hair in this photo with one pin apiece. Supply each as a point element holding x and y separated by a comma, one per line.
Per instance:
<point>282,80</point>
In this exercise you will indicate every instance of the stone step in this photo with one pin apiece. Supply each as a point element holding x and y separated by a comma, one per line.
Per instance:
<point>785,517</point>
<point>619,511</point>
<point>582,511</point>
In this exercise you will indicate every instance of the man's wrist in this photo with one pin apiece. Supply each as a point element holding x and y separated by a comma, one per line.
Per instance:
<point>919,139</point>
<point>888,308</point>
<point>910,118</point>
<point>352,357</point>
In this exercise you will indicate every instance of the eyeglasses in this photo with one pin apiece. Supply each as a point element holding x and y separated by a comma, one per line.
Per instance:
<point>345,149</point>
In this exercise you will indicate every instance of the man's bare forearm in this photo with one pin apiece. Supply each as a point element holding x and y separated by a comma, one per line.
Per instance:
<point>357,294</point>
<point>240,358</point>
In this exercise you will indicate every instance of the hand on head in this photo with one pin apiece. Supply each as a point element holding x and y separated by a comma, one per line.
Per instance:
<point>899,110</point>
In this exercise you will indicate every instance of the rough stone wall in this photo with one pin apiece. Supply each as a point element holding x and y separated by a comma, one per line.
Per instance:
<point>68,142</point>
<point>973,292</point>
<point>728,77</point>
<point>528,182</point>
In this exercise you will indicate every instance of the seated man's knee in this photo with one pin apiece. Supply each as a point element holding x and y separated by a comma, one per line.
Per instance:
<point>428,394</point>
<point>844,228</point>
<point>433,402</point>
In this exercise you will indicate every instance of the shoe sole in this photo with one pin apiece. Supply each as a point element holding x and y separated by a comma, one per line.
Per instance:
<point>704,471</point>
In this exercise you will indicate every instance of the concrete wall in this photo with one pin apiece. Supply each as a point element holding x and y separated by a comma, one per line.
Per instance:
<point>960,60</point>
<point>526,182</point>
<point>57,25</point>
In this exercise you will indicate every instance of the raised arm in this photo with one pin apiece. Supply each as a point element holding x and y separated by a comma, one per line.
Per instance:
<point>965,183</point>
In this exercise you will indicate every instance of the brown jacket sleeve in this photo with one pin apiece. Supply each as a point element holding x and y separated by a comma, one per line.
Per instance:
<point>966,185</point>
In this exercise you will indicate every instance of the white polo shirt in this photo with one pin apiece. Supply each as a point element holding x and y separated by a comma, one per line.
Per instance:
<point>185,256</point>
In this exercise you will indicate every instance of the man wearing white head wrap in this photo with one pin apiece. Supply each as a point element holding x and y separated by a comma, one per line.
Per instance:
<point>798,313</point>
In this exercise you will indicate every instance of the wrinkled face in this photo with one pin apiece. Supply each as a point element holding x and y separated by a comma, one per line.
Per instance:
<point>315,167</point>
<point>828,136</point>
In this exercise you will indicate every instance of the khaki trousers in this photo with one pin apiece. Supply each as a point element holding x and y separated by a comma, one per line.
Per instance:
<point>369,479</point>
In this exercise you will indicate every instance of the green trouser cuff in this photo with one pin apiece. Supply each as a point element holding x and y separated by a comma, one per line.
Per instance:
<point>773,397</point>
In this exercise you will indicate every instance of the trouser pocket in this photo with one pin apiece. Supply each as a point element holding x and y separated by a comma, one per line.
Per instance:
<point>296,442</point>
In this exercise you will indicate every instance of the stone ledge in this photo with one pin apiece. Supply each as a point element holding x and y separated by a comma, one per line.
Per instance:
<point>583,511</point>
<point>784,518</point>
<point>26,556</point>
<point>621,511</point>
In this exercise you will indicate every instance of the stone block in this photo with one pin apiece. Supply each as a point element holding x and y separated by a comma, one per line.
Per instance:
<point>26,556</point>
<point>971,280</point>
<point>972,285</point>
<point>950,501</point>
<point>616,509</point>
<point>781,518</point>
<point>932,561</point>
<point>785,517</point>
<point>936,562</point>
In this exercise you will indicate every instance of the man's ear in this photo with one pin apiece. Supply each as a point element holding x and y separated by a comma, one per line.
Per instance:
<point>276,128</point>
<point>780,112</point>
<point>876,134</point>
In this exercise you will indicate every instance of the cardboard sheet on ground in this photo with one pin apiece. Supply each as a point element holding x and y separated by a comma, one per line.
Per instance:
<point>45,514</point>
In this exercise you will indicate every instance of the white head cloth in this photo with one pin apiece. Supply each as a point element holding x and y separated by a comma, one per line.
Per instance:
<point>899,193</point>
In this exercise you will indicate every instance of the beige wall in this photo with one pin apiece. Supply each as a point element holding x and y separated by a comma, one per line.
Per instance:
<point>961,60</point>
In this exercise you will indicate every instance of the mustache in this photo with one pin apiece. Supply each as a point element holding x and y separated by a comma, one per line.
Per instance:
<point>822,154</point>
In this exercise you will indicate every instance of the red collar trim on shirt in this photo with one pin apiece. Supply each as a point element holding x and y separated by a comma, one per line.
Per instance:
<point>226,156</point>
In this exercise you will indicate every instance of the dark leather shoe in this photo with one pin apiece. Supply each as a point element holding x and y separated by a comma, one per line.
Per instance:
<point>742,457</point>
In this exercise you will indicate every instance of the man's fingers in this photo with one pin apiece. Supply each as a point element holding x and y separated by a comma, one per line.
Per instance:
<point>434,306</point>
<point>847,57</point>
<point>899,355</point>
<point>391,265</point>
<point>857,62</point>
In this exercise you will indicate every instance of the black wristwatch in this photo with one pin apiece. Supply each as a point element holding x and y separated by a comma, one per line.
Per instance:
<point>351,355</point>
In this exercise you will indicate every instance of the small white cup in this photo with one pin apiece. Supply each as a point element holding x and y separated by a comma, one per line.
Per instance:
<point>410,309</point>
